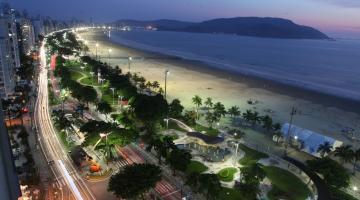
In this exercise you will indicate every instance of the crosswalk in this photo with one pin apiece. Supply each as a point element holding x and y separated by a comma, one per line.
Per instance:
<point>167,191</point>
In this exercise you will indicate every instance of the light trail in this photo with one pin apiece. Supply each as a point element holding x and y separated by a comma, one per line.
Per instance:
<point>73,187</point>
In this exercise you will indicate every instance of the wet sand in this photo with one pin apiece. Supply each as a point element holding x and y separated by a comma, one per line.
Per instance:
<point>319,112</point>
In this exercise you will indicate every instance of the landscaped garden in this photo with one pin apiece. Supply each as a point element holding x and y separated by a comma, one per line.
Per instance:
<point>227,174</point>
<point>196,167</point>
<point>251,155</point>
<point>285,185</point>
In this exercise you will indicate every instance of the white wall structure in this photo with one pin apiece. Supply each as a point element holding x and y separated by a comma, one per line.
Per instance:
<point>310,140</point>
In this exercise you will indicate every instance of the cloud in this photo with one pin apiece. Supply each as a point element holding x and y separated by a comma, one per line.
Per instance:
<point>343,3</point>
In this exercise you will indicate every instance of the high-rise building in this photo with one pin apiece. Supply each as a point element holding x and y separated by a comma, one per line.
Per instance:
<point>9,182</point>
<point>27,35</point>
<point>9,51</point>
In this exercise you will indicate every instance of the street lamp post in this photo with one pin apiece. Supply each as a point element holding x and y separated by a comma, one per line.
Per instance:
<point>113,91</point>
<point>293,112</point>
<point>96,50</point>
<point>167,115</point>
<point>92,78</point>
<point>129,63</point>
<point>109,51</point>
<point>167,72</point>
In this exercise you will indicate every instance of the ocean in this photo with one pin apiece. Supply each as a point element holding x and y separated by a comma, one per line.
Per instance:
<point>331,67</point>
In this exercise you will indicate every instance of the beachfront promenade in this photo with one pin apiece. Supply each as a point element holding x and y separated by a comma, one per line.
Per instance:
<point>253,138</point>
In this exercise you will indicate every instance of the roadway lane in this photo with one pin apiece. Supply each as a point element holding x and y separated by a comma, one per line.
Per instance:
<point>62,167</point>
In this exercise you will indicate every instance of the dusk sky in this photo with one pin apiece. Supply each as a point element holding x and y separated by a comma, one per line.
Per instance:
<point>335,17</point>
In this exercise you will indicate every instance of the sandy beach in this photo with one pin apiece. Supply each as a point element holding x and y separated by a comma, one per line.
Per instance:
<point>322,113</point>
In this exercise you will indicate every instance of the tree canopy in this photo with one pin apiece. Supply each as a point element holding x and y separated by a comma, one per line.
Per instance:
<point>134,180</point>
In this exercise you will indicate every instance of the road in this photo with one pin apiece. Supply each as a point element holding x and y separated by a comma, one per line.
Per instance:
<point>61,166</point>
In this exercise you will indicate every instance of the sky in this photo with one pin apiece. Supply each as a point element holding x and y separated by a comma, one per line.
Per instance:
<point>335,17</point>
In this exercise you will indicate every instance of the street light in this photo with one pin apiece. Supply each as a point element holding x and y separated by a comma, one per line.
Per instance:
<point>92,78</point>
<point>113,91</point>
<point>129,61</point>
<point>96,50</point>
<point>109,51</point>
<point>167,72</point>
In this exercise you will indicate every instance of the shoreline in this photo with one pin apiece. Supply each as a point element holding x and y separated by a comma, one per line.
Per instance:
<point>323,113</point>
<point>315,96</point>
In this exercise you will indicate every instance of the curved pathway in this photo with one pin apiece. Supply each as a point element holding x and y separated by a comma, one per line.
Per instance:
<point>323,191</point>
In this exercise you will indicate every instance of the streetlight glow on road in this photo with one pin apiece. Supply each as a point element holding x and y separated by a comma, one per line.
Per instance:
<point>73,187</point>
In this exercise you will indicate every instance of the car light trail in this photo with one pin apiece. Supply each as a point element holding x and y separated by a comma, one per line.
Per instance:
<point>72,185</point>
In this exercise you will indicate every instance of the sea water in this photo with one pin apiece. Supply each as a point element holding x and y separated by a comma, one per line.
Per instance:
<point>327,66</point>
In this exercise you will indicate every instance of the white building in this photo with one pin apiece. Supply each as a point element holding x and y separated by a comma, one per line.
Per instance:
<point>9,51</point>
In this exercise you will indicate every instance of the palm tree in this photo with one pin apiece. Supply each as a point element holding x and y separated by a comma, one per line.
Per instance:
<point>267,122</point>
<point>197,101</point>
<point>324,149</point>
<point>247,115</point>
<point>219,109</point>
<point>155,85</point>
<point>255,118</point>
<point>345,153</point>
<point>276,127</point>
<point>234,111</point>
<point>148,84</point>
<point>208,103</point>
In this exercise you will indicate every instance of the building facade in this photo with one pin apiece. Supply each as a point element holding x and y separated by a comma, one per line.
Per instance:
<point>27,35</point>
<point>9,51</point>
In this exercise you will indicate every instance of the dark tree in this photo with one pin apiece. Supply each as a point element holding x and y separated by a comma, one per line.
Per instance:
<point>175,109</point>
<point>179,159</point>
<point>150,108</point>
<point>134,180</point>
<point>334,174</point>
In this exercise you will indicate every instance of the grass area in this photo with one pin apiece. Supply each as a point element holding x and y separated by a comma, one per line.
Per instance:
<point>208,131</point>
<point>227,174</point>
<point>89,81</point>
<point>231,194</point>
<point>108,96</point>
<point>339,194</point>
<point>196,166</point>
<point>285,185</point>
<point>68,145</point>
<point>91,139</point>
<point>251,155</point>
<point>75,75</point>
<point>173,125</point>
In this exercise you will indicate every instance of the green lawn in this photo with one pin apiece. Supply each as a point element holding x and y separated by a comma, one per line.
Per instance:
<point>208,131</point>
<point>227,174</point>
<point>196,166</point>
<point>285,185</point>
<point>251,155</point>
<point>89,81</point>
<point>173,125</point>
<point>75,75</point>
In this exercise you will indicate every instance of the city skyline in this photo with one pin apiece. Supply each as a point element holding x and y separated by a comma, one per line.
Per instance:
<point>338,18</point>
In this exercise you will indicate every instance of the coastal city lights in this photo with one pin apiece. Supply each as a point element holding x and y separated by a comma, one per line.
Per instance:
<point>180,100</point>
